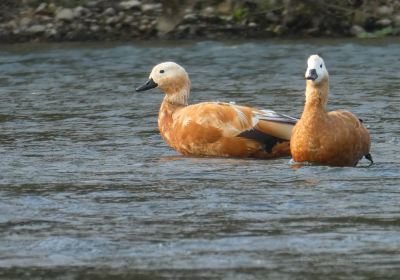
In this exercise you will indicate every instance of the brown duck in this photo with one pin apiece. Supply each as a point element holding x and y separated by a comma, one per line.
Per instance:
<point>215,128</point>
<point>336,138</point>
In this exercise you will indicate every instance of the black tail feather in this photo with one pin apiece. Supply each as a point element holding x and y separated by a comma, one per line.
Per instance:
<point>267,140</point>
<point>369,157</point>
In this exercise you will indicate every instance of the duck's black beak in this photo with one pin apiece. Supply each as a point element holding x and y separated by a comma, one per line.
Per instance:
<point>312,75</point>
<point>148,85</point>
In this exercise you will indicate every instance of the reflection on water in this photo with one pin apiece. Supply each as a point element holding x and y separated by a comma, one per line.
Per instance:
<point>88,188</point>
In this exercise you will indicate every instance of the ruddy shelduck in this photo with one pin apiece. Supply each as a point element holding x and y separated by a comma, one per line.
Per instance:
<point>215,128</point>
<point>336,138</point>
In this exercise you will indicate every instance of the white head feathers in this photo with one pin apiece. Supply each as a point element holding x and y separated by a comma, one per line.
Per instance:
<point>316,70</point>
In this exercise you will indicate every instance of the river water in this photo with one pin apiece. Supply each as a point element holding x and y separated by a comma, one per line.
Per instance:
<point>89,190</point>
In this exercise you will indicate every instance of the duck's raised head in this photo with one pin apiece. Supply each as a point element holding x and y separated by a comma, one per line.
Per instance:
<point>316,70</point>
<point>172,79</point>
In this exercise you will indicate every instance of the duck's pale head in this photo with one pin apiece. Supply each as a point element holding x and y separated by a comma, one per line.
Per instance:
<point>316,70</point>
<point>169,77</point>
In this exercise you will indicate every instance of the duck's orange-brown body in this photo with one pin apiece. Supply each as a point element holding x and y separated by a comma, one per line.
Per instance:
<point>336,138</point>
<point>214,129</point>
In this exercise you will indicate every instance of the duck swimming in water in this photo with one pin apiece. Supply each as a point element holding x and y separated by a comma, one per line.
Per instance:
<point>336,138</point>
<point>214,128</point>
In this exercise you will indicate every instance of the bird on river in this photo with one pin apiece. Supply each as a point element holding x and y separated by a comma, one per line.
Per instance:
<point>214,128</point>
<point>336,138</point>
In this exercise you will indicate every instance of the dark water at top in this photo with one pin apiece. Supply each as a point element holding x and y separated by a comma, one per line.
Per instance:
<point>88,189</point>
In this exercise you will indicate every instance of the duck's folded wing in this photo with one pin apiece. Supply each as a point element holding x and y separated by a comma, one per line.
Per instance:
<point>269,115</point>
<point>233,120</point>
<point>229,119</point>
<point>275,124</point>
<point>346,118</point>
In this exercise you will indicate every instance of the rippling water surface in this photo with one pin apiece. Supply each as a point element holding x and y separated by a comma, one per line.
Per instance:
<point>88,189</point>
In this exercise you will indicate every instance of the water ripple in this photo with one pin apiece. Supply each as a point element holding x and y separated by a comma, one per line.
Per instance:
<point>88,188</point>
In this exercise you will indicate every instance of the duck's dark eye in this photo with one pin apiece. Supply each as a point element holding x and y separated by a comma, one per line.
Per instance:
<point>162,71</point>
<point>320,66</point>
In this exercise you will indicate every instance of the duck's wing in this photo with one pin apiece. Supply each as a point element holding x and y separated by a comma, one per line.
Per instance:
<point>269,115</point>
<point>230,120</point>
<point>274,124</point>
<point>234,120</point>
<point>352,126</point>
<point>346,117</point>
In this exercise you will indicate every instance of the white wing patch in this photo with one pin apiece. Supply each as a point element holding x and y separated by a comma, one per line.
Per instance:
<point>270,115</point>
<point>244,122</point>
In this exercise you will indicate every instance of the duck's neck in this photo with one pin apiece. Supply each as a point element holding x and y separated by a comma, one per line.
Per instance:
<point>178,96</point>
<point>173,101</point>
<point>316,98</point>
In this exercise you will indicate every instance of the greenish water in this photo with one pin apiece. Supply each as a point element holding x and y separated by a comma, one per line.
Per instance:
<point>89,190</point>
